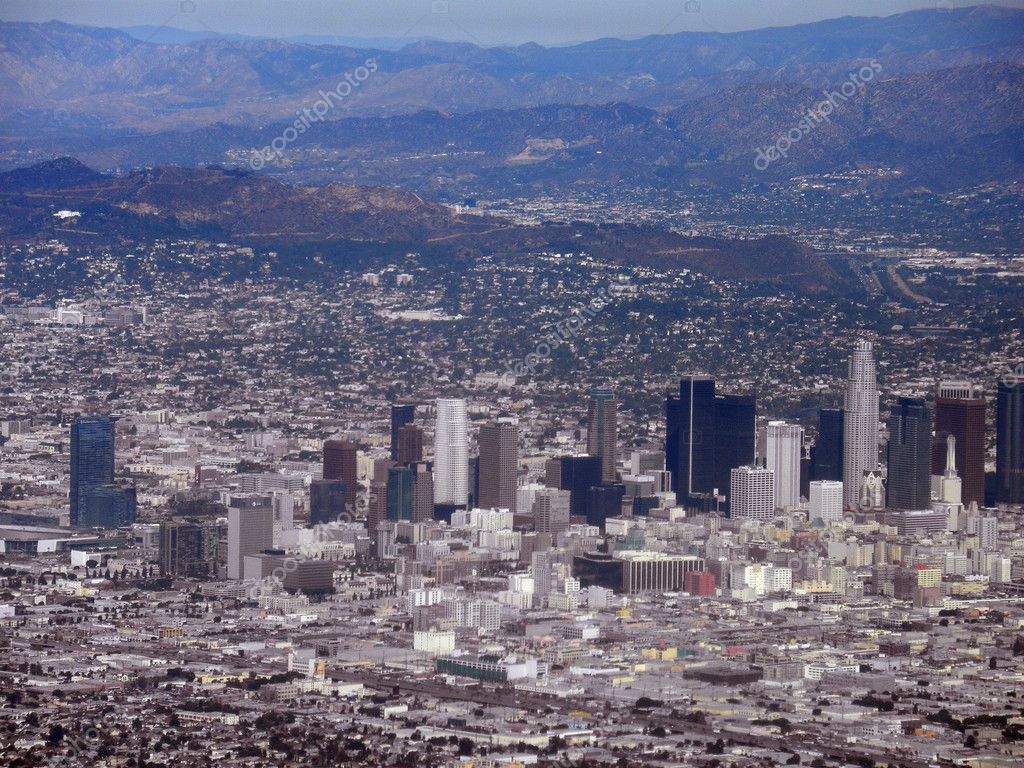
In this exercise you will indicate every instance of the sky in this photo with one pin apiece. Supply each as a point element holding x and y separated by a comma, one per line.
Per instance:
<point>484,22</point>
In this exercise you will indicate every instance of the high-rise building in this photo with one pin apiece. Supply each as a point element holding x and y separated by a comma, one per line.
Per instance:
<point>689,437</point>
<point>577,474</point>
<point>188,550</point>
<point>1010,442</point>
<point>108,506</point>
<point>422,492</point>
<point>827,453</point>
<point>909,454</point>
<point>341,462</point>
<point>734,436</point>
<point>499,464</point>
<point>401,415</point>
<point>377,509</point>
<point>960,411</point>
<point>860,422</point>
<point>92,459</point>
<point>401,481</point>
<point>752,493</point>
<point>826,501</point>
<point>603,430</point>
<point>250,529</point>
<point>327,499</point>
<point>783,449</point>
<point>451,453</point>
<point>551,510</point>
<point>410,444</point>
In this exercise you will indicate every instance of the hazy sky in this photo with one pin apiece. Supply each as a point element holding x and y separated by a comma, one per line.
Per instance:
<point>480,21</point>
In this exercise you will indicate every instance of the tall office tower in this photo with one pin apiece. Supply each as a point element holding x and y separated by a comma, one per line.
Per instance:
<point>451,453</point>
<point>401,481</point>
<point>860,422</point>
<point>603,430</point>
<point>827,453</point>
<point>826,501</point>
<point>960,412</point>
<point>551,510</point>
<point>734,436</point>
<point>410,444</point>
<point>92,459</point>
<point>108,506</point>
<point>909,454</point>
<point>752,493</point>
<point>326,501</point>
<point>183,551</point>
<point>499,464</point>
<point>341,462</point>
<point>783,449</point>
<point>377,509</point>
<point>422,493</point>
<point>689,437</point>
<point>401,415</point>
<point>1010,443</point>
<point>578,474</point>
<point>250,529</point>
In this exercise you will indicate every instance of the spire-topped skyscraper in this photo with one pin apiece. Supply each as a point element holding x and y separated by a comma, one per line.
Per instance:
<point>860,422</point>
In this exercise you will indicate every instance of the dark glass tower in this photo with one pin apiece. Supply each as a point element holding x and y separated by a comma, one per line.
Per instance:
<point>735,424</point>
<point>108,506</point>
<point>326,501</point>
<point>689,437</point>
<point>1010,443</point>
<point>92,459</point>
<point>401,414</point>
<point>341,462</point>
<point>401,482</point>
<point>827,453</point>
<point>910,438</point>
<point>578,474</point>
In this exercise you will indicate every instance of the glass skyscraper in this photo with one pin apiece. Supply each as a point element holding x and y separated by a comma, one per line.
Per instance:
<point>92,459</point>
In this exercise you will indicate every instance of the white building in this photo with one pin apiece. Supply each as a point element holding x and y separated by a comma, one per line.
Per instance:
<point>434,642</point>
<point>783,448</point>
<point>451,453</point>
<point>860,422</point>
<point>752,493</point>
<point>826,501</point>
<point>250,531</point>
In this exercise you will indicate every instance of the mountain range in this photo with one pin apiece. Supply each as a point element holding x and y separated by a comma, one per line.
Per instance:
<point>944,108</point>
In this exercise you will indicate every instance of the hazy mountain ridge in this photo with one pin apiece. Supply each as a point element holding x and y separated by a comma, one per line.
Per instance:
<point>110,79</point>
<point>254,209</point>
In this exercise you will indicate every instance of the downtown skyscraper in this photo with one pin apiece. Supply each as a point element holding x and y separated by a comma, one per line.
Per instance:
<point>960,411</point>
<point>451,453</point>
<point>603,430</point>
<point>499,464</point>
<point>1010,442</point>
<point>909,455</point>
<point>92,459</point>
<point>784,447</point>
<point>860,421</point>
